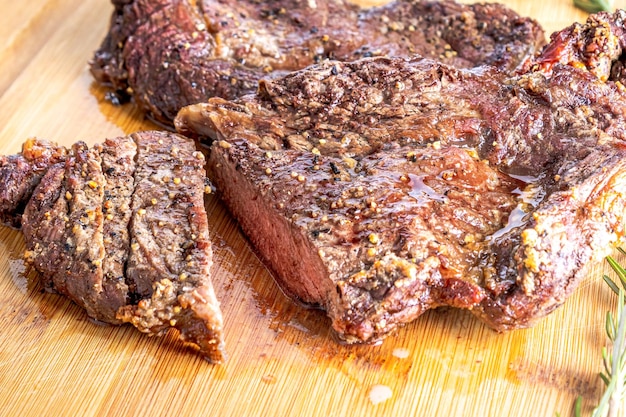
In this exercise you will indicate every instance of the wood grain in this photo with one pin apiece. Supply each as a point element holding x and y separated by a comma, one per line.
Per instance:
<point>283,358</point>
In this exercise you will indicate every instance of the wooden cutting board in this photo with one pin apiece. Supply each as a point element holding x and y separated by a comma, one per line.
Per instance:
<point>283,358</point>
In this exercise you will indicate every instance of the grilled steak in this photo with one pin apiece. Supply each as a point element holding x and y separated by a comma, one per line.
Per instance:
<point>120,228</point>
<point>384,187</point>
<point>170,53</point>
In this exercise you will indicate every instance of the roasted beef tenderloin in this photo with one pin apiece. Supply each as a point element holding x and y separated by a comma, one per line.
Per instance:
<point>170,53</point>
<point>381,188</point>
<point>121,229</point>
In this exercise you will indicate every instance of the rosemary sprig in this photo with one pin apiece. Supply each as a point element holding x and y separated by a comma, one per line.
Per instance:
<point>594,6</point>
<point>614,375</point>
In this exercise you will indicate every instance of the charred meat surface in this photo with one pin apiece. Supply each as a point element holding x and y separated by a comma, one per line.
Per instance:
<point>170,53</point>
<point>381,188</point>
<point>120,228</point>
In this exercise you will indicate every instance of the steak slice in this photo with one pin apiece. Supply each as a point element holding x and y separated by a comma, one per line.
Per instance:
<point>170,258</point>
<point>380,188</point>
<point>170,53</point>
<point>119,167</point>
<point>21,173</point>
<point>62,225</point>
<point>121,229</point>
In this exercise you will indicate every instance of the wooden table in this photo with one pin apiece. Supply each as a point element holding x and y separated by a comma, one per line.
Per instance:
<point>283,359</point>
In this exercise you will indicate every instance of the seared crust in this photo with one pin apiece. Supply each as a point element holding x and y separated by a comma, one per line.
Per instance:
<point>166,54</point>
<point>595,45</point>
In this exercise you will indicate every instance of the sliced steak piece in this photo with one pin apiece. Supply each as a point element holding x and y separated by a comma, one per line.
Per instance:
<point>118,166</point>
<point>381,188</point>
<point>63,227</point>
<point>170,53</point>
<point>170,257</point>
<point>21,173</point>
<point>121,230</point>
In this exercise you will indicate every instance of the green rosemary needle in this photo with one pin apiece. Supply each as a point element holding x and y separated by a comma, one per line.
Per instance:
<point>594,6</point>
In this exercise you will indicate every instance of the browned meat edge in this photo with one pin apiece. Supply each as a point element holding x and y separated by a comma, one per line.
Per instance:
<point>166,54</point>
